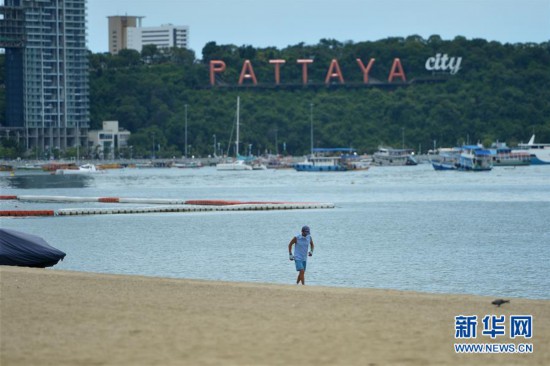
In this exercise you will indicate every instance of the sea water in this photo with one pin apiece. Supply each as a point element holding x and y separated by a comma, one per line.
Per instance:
<point>405,228</point>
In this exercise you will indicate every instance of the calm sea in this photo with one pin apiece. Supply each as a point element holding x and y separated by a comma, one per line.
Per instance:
<point>405,228</point>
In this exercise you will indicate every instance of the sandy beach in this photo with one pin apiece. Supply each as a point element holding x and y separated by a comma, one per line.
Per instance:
<point>52,317</point>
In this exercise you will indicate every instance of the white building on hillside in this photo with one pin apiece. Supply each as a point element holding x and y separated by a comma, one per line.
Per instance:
<point>165,36</point>
<point>107,141</point>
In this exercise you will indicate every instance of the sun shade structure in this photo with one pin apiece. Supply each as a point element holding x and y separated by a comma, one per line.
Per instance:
<point>26,250</point>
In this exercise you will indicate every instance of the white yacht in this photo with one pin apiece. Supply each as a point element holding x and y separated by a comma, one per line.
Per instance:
<point>83,169</point>
<point>233,165</point>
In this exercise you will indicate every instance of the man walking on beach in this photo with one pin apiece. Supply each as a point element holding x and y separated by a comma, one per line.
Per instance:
<point>302,241</point>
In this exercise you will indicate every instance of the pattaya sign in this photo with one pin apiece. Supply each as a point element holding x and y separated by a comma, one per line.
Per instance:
<point>334,73</point>
<point>439,62</point>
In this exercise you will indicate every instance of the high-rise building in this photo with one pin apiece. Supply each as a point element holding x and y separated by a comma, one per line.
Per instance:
<point>47,88</point>
<point>126,32</point>
<point>117,31</point>
<point>167,35</point>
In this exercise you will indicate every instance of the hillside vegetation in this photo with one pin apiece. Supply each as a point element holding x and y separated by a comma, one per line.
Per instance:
<point>501,92</point>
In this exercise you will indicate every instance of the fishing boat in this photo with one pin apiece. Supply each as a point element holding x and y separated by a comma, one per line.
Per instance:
<point>474,158</point>
<point>353,161</point>
<point>442,165</point>
<point>235,164</point>
<point>387,156</point>
<point>83,169</point>
<point>538,152</point>
<point>447,159</point>
<point>358,163</point>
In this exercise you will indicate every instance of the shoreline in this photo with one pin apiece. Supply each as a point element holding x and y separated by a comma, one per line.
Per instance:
<point>57,317</point>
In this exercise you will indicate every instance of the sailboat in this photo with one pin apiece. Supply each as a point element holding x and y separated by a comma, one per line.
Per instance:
<point>236,164</point>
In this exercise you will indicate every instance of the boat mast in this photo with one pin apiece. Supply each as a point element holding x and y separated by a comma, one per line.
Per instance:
<point>311,125</point>
<point>237,138</point>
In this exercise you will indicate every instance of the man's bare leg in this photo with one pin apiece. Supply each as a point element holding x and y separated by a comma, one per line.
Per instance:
<point>301,277</point>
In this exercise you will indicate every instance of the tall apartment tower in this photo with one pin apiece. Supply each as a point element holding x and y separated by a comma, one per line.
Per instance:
<point>47,88</point>
<point>117,31</point>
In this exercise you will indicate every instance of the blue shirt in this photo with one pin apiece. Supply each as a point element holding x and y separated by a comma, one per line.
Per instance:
<point>301,247</point>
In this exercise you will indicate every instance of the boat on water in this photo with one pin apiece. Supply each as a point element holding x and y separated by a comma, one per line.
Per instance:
<point>83,170</point>
<point>239,162</point>
<point>474,158</point>
<point>538,152</point>
<point>53,167</point>
<point>441,165</point>
<point>325,160</point>
<point>188,165</point>
<point>359,163</point>
<point>258,165</point>
<point>279,162</point>
<point>387,156</point>
<point>502,155</point>
<point>447,159</point>
<point>353,161</point>
<point>233,165</point>
<point>30,167</point>
<point>321,164</point>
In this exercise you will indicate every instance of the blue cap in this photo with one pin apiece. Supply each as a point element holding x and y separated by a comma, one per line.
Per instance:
<point>305,229</point>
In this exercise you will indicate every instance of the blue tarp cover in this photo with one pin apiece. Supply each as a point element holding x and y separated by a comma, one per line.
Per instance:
<point>21,249</point>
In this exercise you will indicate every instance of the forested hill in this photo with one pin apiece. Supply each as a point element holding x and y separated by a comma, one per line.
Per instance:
<point>500,92</point>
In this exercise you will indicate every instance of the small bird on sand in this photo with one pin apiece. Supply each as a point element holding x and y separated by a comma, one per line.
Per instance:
<point>499,302</point>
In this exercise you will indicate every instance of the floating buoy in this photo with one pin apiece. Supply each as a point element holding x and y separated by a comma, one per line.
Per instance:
<point>27,213</point>
<point>8,197</point>
<point>108,199</point>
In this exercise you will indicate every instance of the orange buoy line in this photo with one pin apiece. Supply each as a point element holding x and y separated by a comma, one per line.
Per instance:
<point>8,197</point>
<point>226,203</point>
<point>12,213</point>
<point>161,201</point>
<point>213,202</point>
<point>194,208</point>
<point>108,199</point>
<point>168,205</point>
<point>168,209</point>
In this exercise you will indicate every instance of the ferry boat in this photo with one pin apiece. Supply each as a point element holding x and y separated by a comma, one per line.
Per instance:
<point>474,158</point>
<point>325,160</point>
<point>321,164</point>
<point>502,155</point>
<point>539,152</point>
<point>387,156</point>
